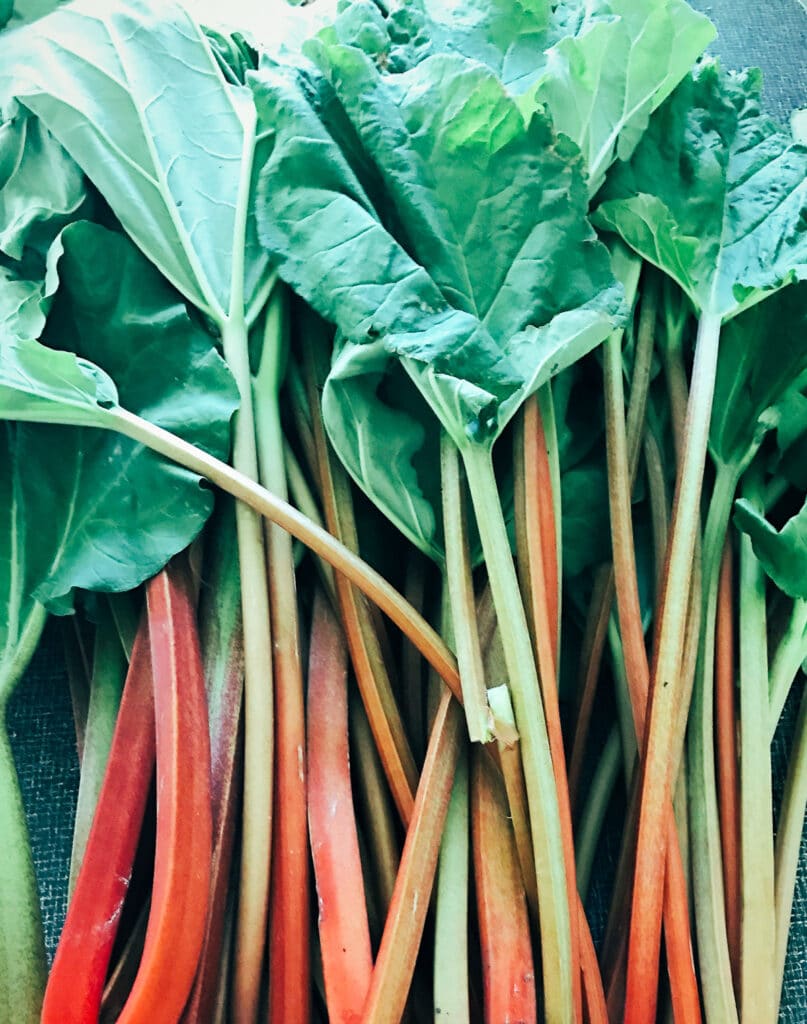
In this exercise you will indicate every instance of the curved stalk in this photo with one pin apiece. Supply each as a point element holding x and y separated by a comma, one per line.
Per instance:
<point>363,576</point>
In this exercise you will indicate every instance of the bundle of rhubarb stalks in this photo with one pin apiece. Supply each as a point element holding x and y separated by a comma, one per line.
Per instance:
<point>404,408</point>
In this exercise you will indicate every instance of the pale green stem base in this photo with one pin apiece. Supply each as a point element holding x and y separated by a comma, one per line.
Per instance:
<point>22,946</point>
<point>538,772</point>
<point>451,999</point>
<point>704,819</point>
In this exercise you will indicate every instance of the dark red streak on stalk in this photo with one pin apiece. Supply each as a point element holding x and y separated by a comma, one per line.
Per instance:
<point>76,982</point>
<point>727,778</point>
<point>344,933</point>
<point>181,887</point>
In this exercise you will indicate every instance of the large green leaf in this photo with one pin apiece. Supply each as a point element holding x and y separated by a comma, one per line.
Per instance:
<point>413,274</point>
<point>601,68</point>
<point>134,93</point>
<point>762,351</point>
<point>715,194</point>
<point>105,512</point>
<point>783,553</point>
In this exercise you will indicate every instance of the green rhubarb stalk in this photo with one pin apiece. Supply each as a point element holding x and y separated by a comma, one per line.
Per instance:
<point>592,816</point>
<point>23,967</point>
<point>289,988</point>
<point>458,585</point>
<point>451,991</point>
<point>759,997</point>
<point>538,771</point>
<point>106,686</point>
<point>256,838</point>
<point>704,817</point>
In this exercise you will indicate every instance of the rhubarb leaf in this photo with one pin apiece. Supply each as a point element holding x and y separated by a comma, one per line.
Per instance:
<point>600,68</point>
<point>762,351</point>
<point>715,194</point>
<point>107,513</point>
<point>477,327</point>
<point>41,188</point>
<point>117,85</point>
<point>783,553</point>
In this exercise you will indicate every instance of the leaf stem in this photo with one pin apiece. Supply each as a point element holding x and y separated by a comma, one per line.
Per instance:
<point>451,991</point>
<point>542,797</point>
<point>22,946</point>
<point>395,963</point>
<point>660,757</point>
<point>759,998</point>
<point>289,989</point>
<point>257,498</point>
<point>459,586</point>
<point>727,767</point>
<point>256,843</point>
<point>106,686</point>
<point>707,870</point>
<point>787,661</point>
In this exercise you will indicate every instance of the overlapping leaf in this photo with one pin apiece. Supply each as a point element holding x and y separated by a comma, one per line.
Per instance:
<point>783,553</point>
<point>107,513</point>
<point>762,352</point>
<point>715,194</point>
<point>473,264</point>
<point>600,68</point>
<point>119,86</point>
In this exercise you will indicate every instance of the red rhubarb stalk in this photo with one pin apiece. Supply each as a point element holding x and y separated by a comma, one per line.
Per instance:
<point>508,970</point>
<point>184,826</point>
<point>727,779</point>
<point>221,640</point>
<point>344,933</point>
<point>395,963</point>
<point>76,982</point>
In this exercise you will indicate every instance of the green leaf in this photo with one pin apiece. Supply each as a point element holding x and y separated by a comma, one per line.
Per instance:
<point>600,69</point>
<point>477,327</point>
<point>42,386</point>
<point>121,88</point>
<point>41,188</point>
<point>762,351</point>
<point>383,441</point>
<point>6,10</point>
<point>715,194</point>
<point>21,312</point>
<point>783,553</point>
<point>105,512</point>
<point>603,83</point>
